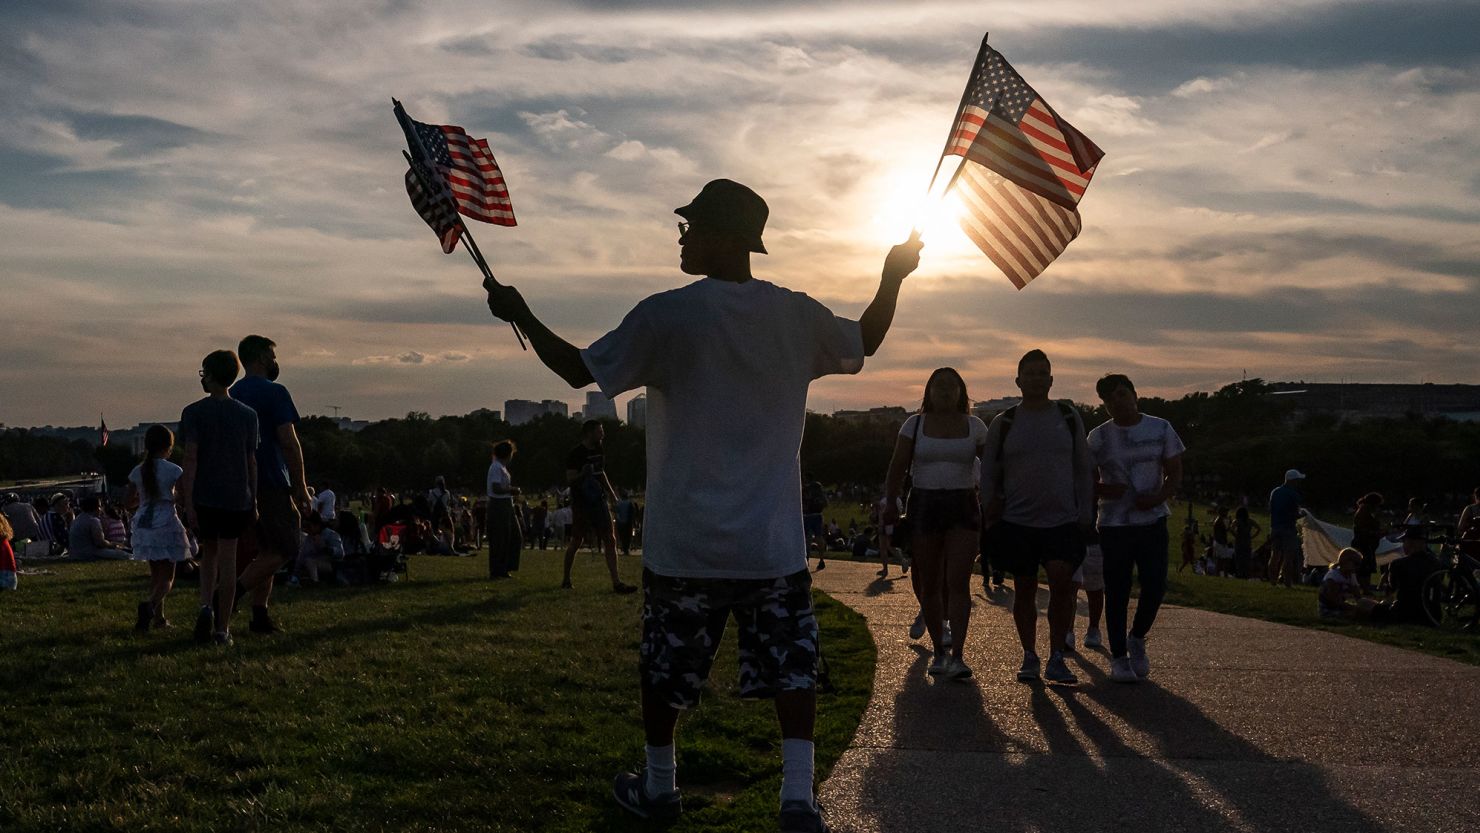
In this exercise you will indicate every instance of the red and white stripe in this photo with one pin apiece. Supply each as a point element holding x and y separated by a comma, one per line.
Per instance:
<point>1016,228</point>
<point>1036,153</point>
<point>477,183</point>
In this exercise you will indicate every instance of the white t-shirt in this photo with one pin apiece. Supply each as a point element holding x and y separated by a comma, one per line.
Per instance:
<point>498,473</point>
<point>324,504</point>
<point>944,463</point>
<point>166,474</point>
<point>727,367</point>
<point>1132,456</point>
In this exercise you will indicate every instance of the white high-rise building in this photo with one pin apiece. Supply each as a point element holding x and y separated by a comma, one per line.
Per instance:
<point>637,411</point>
<point>599,407</point>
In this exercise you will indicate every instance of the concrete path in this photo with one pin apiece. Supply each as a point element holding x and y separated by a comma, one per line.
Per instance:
<point>1243,726</point>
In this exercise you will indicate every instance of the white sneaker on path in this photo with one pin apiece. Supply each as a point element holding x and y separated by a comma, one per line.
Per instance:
<point>1136,647</point>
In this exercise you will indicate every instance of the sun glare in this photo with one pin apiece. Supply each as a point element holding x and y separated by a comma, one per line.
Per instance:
<point>903,205</point>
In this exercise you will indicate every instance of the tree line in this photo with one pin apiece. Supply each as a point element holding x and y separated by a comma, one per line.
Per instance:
<point>1239,439</point>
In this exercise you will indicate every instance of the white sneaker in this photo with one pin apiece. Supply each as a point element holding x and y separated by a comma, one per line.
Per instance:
<point>945,634</point>
<point>917,628</point>
<point>1058,671</point>
<point>1140,663</point>
<point>1120,671</point>
<point>1069,642</point>
<point>1092,638</point>
<point>940,665</point>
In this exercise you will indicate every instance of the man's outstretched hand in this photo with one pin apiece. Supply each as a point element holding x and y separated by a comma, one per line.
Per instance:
<point>505,302</point>
<point>903,259</point>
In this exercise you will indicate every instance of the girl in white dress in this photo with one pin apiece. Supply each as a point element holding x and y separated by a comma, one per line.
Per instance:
<point>159,537</point>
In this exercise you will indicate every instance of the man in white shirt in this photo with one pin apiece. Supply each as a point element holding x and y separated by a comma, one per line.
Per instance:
<point>1138,458</point>
<point>726,361</point>
<point>504,540</point>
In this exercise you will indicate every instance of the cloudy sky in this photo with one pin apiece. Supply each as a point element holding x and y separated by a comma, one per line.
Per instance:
<point>1290,189</point>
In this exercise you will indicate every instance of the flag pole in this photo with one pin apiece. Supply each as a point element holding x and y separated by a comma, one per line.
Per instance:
<point>965,93</point>
<point>472,247</point>
<point>469,245</point>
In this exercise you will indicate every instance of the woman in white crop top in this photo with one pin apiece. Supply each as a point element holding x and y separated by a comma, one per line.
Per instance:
<point>939,448</point>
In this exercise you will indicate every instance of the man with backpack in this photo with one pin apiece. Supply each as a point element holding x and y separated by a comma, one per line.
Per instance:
<point>1037,486</point>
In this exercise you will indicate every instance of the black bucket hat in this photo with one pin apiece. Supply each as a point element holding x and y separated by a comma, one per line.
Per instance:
<point>727,206</point>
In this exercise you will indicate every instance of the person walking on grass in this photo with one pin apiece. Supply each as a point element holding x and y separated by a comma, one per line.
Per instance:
<point>282,489</point>
<point>1138,459</point>
<point>159,537</point>
<point>218,488</point>
<point>1037,482</point>
<point>504,541</point>
<point>939,448</point>
<point>591,495</point>
<point>1285,560</point>
<point>726,361</point>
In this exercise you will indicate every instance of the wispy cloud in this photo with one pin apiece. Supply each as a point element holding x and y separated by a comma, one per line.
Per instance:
<point>1290,187</point>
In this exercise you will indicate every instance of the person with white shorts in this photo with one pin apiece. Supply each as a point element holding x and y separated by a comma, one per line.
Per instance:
<point>1091,578</point>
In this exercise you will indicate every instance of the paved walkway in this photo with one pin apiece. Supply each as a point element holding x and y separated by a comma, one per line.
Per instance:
<point>1243,726</point>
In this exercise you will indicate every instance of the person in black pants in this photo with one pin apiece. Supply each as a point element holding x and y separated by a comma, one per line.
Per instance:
<point>504,538</point>
<point>1138,458</point>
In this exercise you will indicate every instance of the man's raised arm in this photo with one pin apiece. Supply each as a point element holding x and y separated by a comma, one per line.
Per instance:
<point>559,355</point>
<point>899,263</point>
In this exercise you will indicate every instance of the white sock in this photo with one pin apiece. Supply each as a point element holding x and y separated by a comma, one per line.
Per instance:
<point>661,777</point>
<point>796,770</point>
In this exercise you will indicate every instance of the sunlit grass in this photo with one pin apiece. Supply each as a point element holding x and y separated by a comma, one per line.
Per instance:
<point>441,703</point>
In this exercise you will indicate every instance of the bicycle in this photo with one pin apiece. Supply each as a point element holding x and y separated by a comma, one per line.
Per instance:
<point>1451,597</point>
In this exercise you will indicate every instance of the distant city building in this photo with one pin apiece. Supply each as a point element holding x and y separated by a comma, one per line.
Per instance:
<point>1378,401</point>
<point>520,411</point>
<point>599,407</point>
<point>883,413</point>
<point>637,411</point>
<point>987,409</point>
<point>497,416</point>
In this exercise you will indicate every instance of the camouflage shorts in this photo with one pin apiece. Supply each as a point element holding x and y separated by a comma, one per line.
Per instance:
<point>684,618</point>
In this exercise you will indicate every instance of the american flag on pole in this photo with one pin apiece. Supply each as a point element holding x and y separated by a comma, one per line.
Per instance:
<point>102,431</point>
<point>1025,169</point>
<point>438,209</point>
<point>464,167</point>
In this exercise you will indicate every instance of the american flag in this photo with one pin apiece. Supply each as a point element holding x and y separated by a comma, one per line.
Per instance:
<point>464,166</point>
<point>1024,172</point>
<point>438,210</point>
<point>102,431</point>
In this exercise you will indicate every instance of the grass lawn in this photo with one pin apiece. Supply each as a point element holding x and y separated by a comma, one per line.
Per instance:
<point>441,703</point>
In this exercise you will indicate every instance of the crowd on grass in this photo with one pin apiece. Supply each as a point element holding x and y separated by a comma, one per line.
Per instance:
<point>727,361</point>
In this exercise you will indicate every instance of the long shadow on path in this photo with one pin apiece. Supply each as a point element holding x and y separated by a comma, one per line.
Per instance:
<point>1196,747</point>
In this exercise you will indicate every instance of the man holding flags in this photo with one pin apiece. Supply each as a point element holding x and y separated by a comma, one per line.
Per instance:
<point>726,361</point>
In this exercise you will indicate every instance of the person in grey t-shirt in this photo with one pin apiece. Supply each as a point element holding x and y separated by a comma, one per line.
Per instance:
<point>1037,490</point>
<point>219,486</point>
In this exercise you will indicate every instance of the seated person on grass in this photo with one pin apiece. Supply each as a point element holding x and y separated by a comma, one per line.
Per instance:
<point>1341,591</point>
<point>322,549</point>
<point>85,538</point>
<point>1406,575</point>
